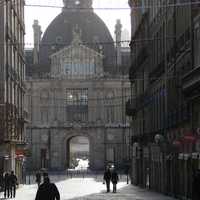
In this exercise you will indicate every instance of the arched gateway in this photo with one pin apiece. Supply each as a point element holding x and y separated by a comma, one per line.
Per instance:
<point>78,152</point>
<point>96,148</point>
<point>78,146</point>
<point>51,147</point>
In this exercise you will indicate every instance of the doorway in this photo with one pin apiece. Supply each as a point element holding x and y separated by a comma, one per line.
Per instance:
<point>78,153</point>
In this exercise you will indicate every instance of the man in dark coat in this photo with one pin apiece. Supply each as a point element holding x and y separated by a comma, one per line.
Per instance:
<point>107,178</point>
<point>114,179</point>
<point>13,183</point>
<point>6,179</point>
<point>47,191</point>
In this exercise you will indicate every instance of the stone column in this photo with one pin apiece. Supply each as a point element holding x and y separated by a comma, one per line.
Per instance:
<point>118,33</point>
<point>37,37</point>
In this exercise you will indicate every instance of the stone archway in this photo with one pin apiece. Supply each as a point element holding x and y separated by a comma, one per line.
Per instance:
<point>68,141</point>
<point>78,151</point>
<point>96,147</point>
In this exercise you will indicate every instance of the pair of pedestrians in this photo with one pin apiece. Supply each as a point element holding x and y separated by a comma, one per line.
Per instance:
<point>111,176</point>
<point>10,182</point>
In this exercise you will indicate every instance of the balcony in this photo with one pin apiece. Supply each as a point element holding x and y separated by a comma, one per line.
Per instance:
<point>191,83</point>
<point>131,107</point>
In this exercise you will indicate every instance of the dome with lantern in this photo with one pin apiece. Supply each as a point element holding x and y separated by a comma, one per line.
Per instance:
<point>94,34</point>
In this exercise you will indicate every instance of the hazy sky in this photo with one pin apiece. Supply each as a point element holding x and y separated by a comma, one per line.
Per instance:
<point>46,15</point>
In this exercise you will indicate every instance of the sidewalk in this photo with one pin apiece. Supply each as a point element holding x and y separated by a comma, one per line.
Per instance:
<point>128,192</point>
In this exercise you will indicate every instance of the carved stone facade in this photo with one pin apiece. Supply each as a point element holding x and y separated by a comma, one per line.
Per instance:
<point>82,93</point>
<point>77,60</point>
<point>97,112</point>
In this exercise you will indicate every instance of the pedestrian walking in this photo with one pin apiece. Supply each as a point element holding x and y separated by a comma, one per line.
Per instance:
<point>13,183</point>
<point>38,178</point>
<point>47,191</point>
<point>6,180</point>
<point>107,178</point>
<point>114,179</point>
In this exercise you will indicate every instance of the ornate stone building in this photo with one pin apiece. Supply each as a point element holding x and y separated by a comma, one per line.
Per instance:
<point>12,87</point>
<point>77,87</point>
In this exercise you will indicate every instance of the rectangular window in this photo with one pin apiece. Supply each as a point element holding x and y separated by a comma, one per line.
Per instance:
<point>77,105</point>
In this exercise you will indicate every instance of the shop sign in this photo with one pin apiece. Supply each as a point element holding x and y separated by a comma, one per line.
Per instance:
<point>189,137</point>
<point>180,156</point>
<point>186,156</point>
<point>19,153</point>
<point>195,155</point>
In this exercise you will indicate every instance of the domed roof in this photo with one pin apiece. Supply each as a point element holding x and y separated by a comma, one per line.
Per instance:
<point>94,34</point>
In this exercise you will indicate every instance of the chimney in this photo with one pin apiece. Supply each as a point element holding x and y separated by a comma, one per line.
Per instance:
<point>118,33</point>
<point>37,37</point>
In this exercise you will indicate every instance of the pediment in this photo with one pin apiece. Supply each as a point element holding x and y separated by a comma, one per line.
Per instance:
<point>74,51</point>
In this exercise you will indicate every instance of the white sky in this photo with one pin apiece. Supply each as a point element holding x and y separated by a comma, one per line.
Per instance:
<point>46,15</point>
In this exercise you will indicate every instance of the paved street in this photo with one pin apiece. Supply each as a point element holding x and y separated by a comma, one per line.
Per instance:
<point>90,189</point>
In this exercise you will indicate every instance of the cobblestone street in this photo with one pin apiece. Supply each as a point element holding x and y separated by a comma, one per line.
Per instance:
<point>89,189</point>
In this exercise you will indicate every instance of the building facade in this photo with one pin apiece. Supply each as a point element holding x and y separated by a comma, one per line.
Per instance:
<point>165,56</point>
<point>64,109</point>
<point>77,87</point>
<point>12,87</point>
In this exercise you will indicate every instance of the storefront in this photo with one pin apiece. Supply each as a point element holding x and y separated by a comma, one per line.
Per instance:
<point>188,163</point>
<point>19,165</point>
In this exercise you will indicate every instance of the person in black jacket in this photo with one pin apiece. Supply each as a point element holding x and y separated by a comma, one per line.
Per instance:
<point>114,179</point>
<point>6,180</point>
<point>13,183</point>
<point>107,178</point>
<point>47,191</point>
